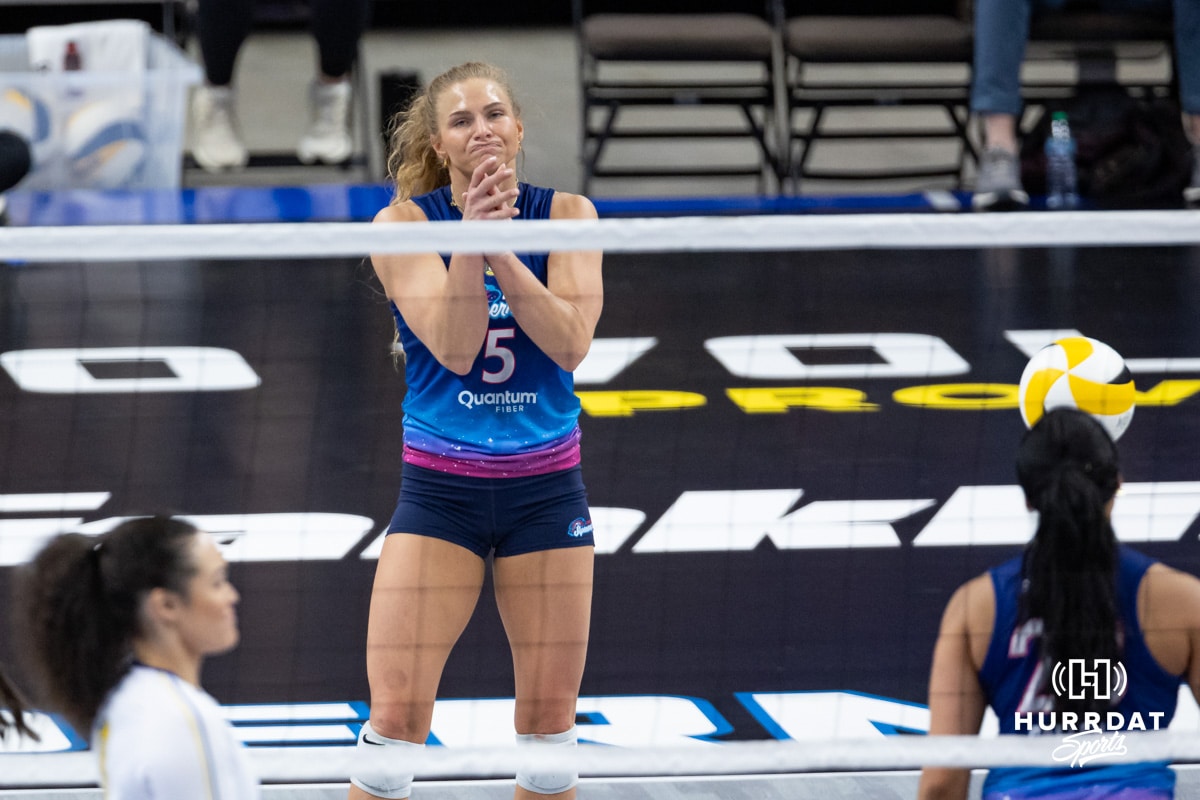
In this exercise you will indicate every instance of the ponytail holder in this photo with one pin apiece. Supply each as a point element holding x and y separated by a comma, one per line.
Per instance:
<point>94,558</point>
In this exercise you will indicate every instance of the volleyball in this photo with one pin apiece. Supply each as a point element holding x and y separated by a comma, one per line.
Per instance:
<point>105,144</point>
<point>25,115</point>
<point>1078,372</point>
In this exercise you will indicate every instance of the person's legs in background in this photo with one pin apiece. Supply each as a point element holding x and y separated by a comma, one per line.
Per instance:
<point>222,27</point>
<point>337,26</point>
<point>1187,62</point>
<point>1186,22</point>
<point>1001,32</point>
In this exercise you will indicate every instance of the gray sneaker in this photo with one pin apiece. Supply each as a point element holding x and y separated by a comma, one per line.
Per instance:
<point>998,184</point>
<point>1191,195</point>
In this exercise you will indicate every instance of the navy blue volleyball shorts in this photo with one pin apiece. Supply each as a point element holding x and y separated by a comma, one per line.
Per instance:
<point>510,515</point>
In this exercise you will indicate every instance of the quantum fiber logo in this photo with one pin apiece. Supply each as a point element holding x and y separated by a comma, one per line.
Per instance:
<point>1091,735</point>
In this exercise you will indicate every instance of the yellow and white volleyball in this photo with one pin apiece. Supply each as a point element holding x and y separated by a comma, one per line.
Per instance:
<point>105,144</point>
<point>1078,372</point>
<point>25,115</point>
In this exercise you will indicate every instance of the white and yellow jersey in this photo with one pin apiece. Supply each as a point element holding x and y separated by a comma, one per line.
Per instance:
<point>160,738</point>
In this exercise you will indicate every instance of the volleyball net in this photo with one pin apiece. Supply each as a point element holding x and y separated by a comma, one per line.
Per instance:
<point>798,440</point>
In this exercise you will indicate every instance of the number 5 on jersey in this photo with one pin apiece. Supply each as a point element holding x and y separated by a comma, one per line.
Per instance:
<point>508,361</point>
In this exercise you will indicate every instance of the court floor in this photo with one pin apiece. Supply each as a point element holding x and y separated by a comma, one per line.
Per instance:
<point>772,560</point>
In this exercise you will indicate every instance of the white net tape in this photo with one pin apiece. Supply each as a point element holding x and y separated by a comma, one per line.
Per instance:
<point>332,764</point>
<point>305,240</point>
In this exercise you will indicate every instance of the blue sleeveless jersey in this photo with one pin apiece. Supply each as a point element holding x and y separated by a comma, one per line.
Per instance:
<point>1007,678</point>
<point>515,413</point>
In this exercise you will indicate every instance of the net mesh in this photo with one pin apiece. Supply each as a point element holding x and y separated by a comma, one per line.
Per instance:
<point>798,440</point>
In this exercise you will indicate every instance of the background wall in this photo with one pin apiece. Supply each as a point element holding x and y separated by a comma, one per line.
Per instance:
<point>393,13</point>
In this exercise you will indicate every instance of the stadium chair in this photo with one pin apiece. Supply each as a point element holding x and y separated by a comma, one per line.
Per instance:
<point>902,49</point>
<point>671,80</point>
<point>903,59</point>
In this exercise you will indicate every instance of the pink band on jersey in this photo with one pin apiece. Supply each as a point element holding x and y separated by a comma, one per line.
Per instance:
<point>562,455</point>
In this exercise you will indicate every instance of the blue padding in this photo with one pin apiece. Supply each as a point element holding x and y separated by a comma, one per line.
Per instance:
<point>360,203</point>
<point>710,206</point>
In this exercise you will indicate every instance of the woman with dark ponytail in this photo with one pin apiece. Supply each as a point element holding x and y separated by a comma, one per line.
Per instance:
<point>115,629</point>
<point>1074,598</point>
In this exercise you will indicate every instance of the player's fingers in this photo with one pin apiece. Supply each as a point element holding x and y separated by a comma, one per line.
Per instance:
<point>482,170</point>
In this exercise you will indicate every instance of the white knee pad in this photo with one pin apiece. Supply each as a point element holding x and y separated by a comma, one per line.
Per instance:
<point>378,765</point>
<point>548,782</point>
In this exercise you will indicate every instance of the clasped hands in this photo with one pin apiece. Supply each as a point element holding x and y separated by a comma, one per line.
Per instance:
<point>484,197</point>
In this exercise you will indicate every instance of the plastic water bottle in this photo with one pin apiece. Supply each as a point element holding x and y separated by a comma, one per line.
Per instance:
<point>72,61</point>
<point>1061,179</point>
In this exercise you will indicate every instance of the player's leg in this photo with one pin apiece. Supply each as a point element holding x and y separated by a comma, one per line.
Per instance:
<point>425,591</point>
<point>1187,58</point>
<point>545,601</point>
<point>1001,32</point>
<point>337,26</point>
<point>222,27</point>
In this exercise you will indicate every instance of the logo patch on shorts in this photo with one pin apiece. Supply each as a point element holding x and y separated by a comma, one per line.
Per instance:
<point>579,527</point>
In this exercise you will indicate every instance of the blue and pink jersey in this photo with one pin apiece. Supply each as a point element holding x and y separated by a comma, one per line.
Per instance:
<point>1014,681</point>
<point>515,413</point>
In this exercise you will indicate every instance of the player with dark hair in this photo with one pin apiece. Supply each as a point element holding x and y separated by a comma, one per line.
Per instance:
<point>1074,593</point>
<point>116,628</point>
<point>491,438</point>
<point>16,159</point>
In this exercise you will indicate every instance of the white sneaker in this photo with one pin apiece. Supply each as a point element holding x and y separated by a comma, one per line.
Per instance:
<point>216,144</point>
<point>1191,195</point>
<point>328,138</point>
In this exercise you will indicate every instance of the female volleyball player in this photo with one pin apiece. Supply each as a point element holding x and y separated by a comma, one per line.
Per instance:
<point>116,628</point>
<point>491,437</point>
<point>1074,593</point>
